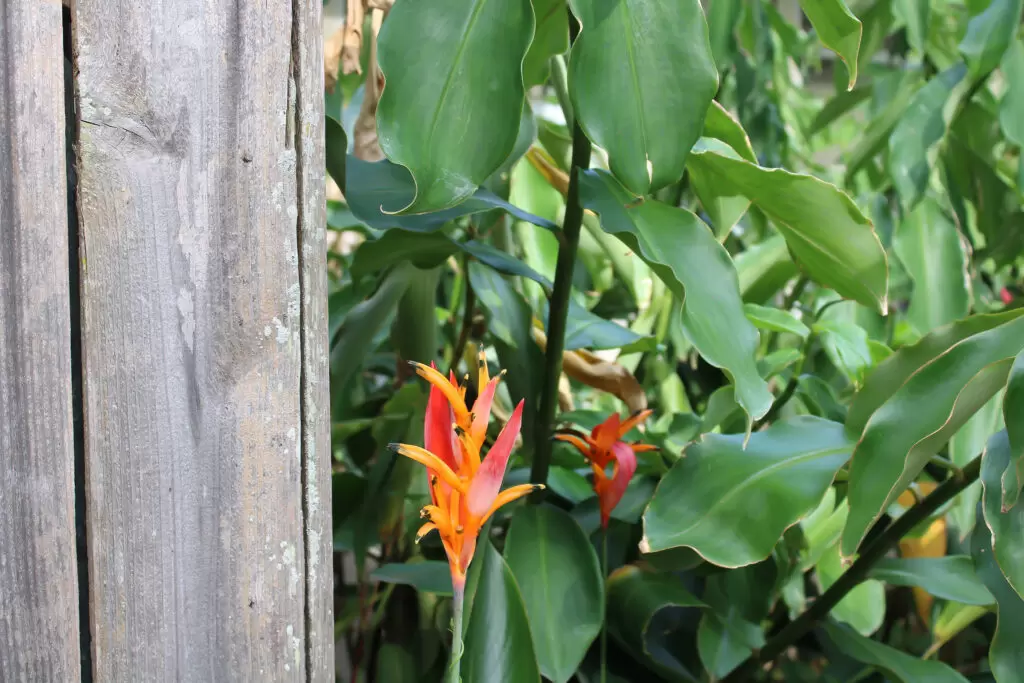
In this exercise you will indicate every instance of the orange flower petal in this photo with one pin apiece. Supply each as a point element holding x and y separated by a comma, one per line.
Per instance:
<point>431,461</point>
<point>509,495</point>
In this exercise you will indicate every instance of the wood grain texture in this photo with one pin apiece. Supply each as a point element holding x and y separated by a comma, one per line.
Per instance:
<point>190,196</point>
<point>316,423</point>
<point>38,581</point>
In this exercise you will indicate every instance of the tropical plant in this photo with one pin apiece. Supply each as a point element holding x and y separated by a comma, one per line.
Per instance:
<point>753,275</point>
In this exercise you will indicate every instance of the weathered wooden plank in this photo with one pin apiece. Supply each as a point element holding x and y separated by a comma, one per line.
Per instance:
<point>38,582</point>
<point>316,424</point>
<point>190,198</point>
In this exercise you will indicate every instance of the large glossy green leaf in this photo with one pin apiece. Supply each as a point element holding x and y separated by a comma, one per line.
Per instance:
<point>430,576</point>
<point>635,597</point>
<point>950,578</point>
<point>899,665</point>
<point>451,109</point>
<point>921,127</point>
<point>1006,525</point>
<point>969,442</point>
<point>920,417</point>
<point>656,58</point>
<point>863,608</point>
<point>837,29</point>
<point>1013,417</point>
<point>499,648</point>
<point>563,590</point>
<point>757,492</point>
<point>896,370</point>
<point>826,232</point>
<point>989,34</point>
<point>375,190</point>
<point>1011,109</point>
<point>584,330</point>
<point>551,37</point>
<point>934,255</point>
<point>1005,656</point>
<point>683,252</point>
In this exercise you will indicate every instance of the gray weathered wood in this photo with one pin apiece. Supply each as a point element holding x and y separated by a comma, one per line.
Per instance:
<point>38,582</point>
<point>316,423</point>
<point>196,201</point>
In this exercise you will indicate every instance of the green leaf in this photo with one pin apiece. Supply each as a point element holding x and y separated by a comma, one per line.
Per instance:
<point>989,35</point>
<point>584,330</point>
<point>1013,417</point>
<point>915,14</point>
<point>920,417</point>
<point>1011,108</point>
<point>840,104</point>
<point>1005,656</point>
<point>837,29</point>
<point>635,597</point>
<point>953,618</point>
<point>968,442</point>
<point>355,337</point>
<point>561,583</point>
<point>1006,525</point>
<point>452,106</point>
<point>825,231</point>
<point>428,576</point>
<point>894,372</point>
<point>722,17</point>
<point>730,630</point>
<point>934,255</point>
<point>775,319</point>
<point>921,127</point>
<point>569,484</point>
<point>376,190</point>
<point>683,252</point>
<point>657,113</point>
<point>950,578</point>
<point>550,38</point>
<point>423,250</point>
<point>863,608</point>
<point>822,529</point>
<point>723,208</point>
<point>396,664</point>
<point>499,648</point>
<point>899,665</point>
<point>846,345</point>
<point>757,492</point>
<point>876,133</point>
<point>502,261</point>
<point>720,124</point>
<point>764,269</point>
<point>336,150</point>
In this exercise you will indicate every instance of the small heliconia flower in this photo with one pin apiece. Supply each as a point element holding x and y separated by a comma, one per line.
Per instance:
<point>604,447</point>
<point>464,488</point>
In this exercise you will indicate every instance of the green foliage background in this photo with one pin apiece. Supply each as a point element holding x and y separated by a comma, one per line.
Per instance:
<point>801,234</point>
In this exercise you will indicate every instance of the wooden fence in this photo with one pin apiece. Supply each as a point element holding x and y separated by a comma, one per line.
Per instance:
<point>181,311</point>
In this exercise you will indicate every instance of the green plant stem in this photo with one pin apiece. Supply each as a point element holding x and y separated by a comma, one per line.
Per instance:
<point>454,666</point>
<point>558,306</point>
<point>467,318</point>
<point>604,622</point>
<point>858,571</point>
<point>560,82</point>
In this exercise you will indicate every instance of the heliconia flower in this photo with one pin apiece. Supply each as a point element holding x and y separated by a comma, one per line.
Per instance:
<point>464,490</point>
<point>604,447</point>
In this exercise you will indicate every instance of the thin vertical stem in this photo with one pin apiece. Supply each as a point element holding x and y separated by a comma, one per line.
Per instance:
<point>558,308</point>
<point>604,622</point>
<point>454,666</point>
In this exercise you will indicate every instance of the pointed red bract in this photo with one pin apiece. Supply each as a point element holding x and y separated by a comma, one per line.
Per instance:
<point>625,460</point>
<point>485,485</point>
<point>438,437</point>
